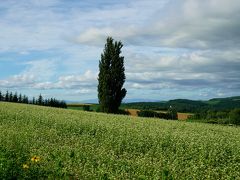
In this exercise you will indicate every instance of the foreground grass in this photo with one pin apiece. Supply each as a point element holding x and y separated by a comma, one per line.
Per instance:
<point>57,143</point>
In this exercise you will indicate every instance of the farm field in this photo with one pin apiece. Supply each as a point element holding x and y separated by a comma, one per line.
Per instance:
<point>132,112</point>
<point>57,143</point>
<point>183,116</point>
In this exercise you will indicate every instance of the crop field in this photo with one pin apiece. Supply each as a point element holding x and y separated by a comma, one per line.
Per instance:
<point>132,112</point>
<point>183,116</point>
<point>44,142</point>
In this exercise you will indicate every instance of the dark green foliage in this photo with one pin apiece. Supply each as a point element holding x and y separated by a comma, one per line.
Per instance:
<point>145,105</point>
<point>20,98</point>
<point>25,99</point>
<point>166,175</point>
<point>234,116</point>
<point>218,117</point>
<point>46,101</point>
<point>180,105</point>
<point>148,113</point>
<point>40,100</point>
<point>9,97</point>
<point>54,103</point>
<point>189,106</point>
<point>172,113</point>
<point>15,97</point>
<point>229,103</point>
<point>123,112</point>
<point>162,115</point>
<point>111,77</point>
<point>33,100</point>
<point>62,104</point>
<point>86,107</point>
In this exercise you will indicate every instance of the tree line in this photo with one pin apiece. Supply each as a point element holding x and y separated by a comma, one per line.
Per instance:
<point>218,117</point>
<point>19,98</point>
<point>171,114</point>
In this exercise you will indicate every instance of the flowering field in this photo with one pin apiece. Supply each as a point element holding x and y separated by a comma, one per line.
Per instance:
<point>60,143</point>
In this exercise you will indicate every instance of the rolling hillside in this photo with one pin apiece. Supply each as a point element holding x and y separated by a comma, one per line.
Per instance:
<point>61,143</point>
<point>185,105</point>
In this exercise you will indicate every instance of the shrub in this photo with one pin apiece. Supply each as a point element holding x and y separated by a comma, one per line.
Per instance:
<point>122,111</point>
<point>86,107</point>
<point>147,113</point>
<point>234,116</point>
<point>162,115</point>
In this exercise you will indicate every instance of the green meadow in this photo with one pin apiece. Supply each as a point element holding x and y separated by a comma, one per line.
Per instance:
<point>44,142</point>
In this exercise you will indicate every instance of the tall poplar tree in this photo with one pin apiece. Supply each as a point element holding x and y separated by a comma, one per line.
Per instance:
<point>111,77</point>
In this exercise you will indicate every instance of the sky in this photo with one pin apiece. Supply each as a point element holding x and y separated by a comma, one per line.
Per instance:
<point>188,49</point>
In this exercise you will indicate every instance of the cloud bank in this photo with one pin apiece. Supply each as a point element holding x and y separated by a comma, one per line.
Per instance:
<point>183,49</point>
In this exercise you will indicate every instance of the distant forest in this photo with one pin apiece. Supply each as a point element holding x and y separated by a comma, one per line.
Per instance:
<point>19,98</point>
<point>188,106</point>
<point>218,110</point>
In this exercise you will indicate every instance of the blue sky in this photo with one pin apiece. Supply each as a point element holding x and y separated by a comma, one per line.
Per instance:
<point>172,49</point>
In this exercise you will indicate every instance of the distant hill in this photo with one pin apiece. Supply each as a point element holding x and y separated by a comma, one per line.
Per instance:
<point>225,103</point>
<point>95,101</point>
<point>185,105</point>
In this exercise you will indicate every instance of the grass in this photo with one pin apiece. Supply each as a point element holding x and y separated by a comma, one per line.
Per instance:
<point>60,143</point>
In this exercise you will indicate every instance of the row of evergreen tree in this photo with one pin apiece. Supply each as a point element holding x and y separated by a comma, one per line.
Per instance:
<point>19,98</point>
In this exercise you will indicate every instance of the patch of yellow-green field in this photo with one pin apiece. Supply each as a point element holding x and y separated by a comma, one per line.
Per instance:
<point>43,142</point>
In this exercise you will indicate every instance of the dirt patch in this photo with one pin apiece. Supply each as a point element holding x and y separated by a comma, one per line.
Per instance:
<point>183,116</point>
<point>132,112</point>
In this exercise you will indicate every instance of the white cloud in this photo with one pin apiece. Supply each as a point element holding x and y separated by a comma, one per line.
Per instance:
<point>35,71</point>
<point>87,80</point>
<point>43,85</point>
<point>18,81</point>
<point>83,91</point>
<point>167,43</point>
<point>187,24</point>
<point>40,69</point>
<point>86,77</point>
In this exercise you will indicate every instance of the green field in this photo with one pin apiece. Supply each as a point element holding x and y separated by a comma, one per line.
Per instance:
<point>61,143</point>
